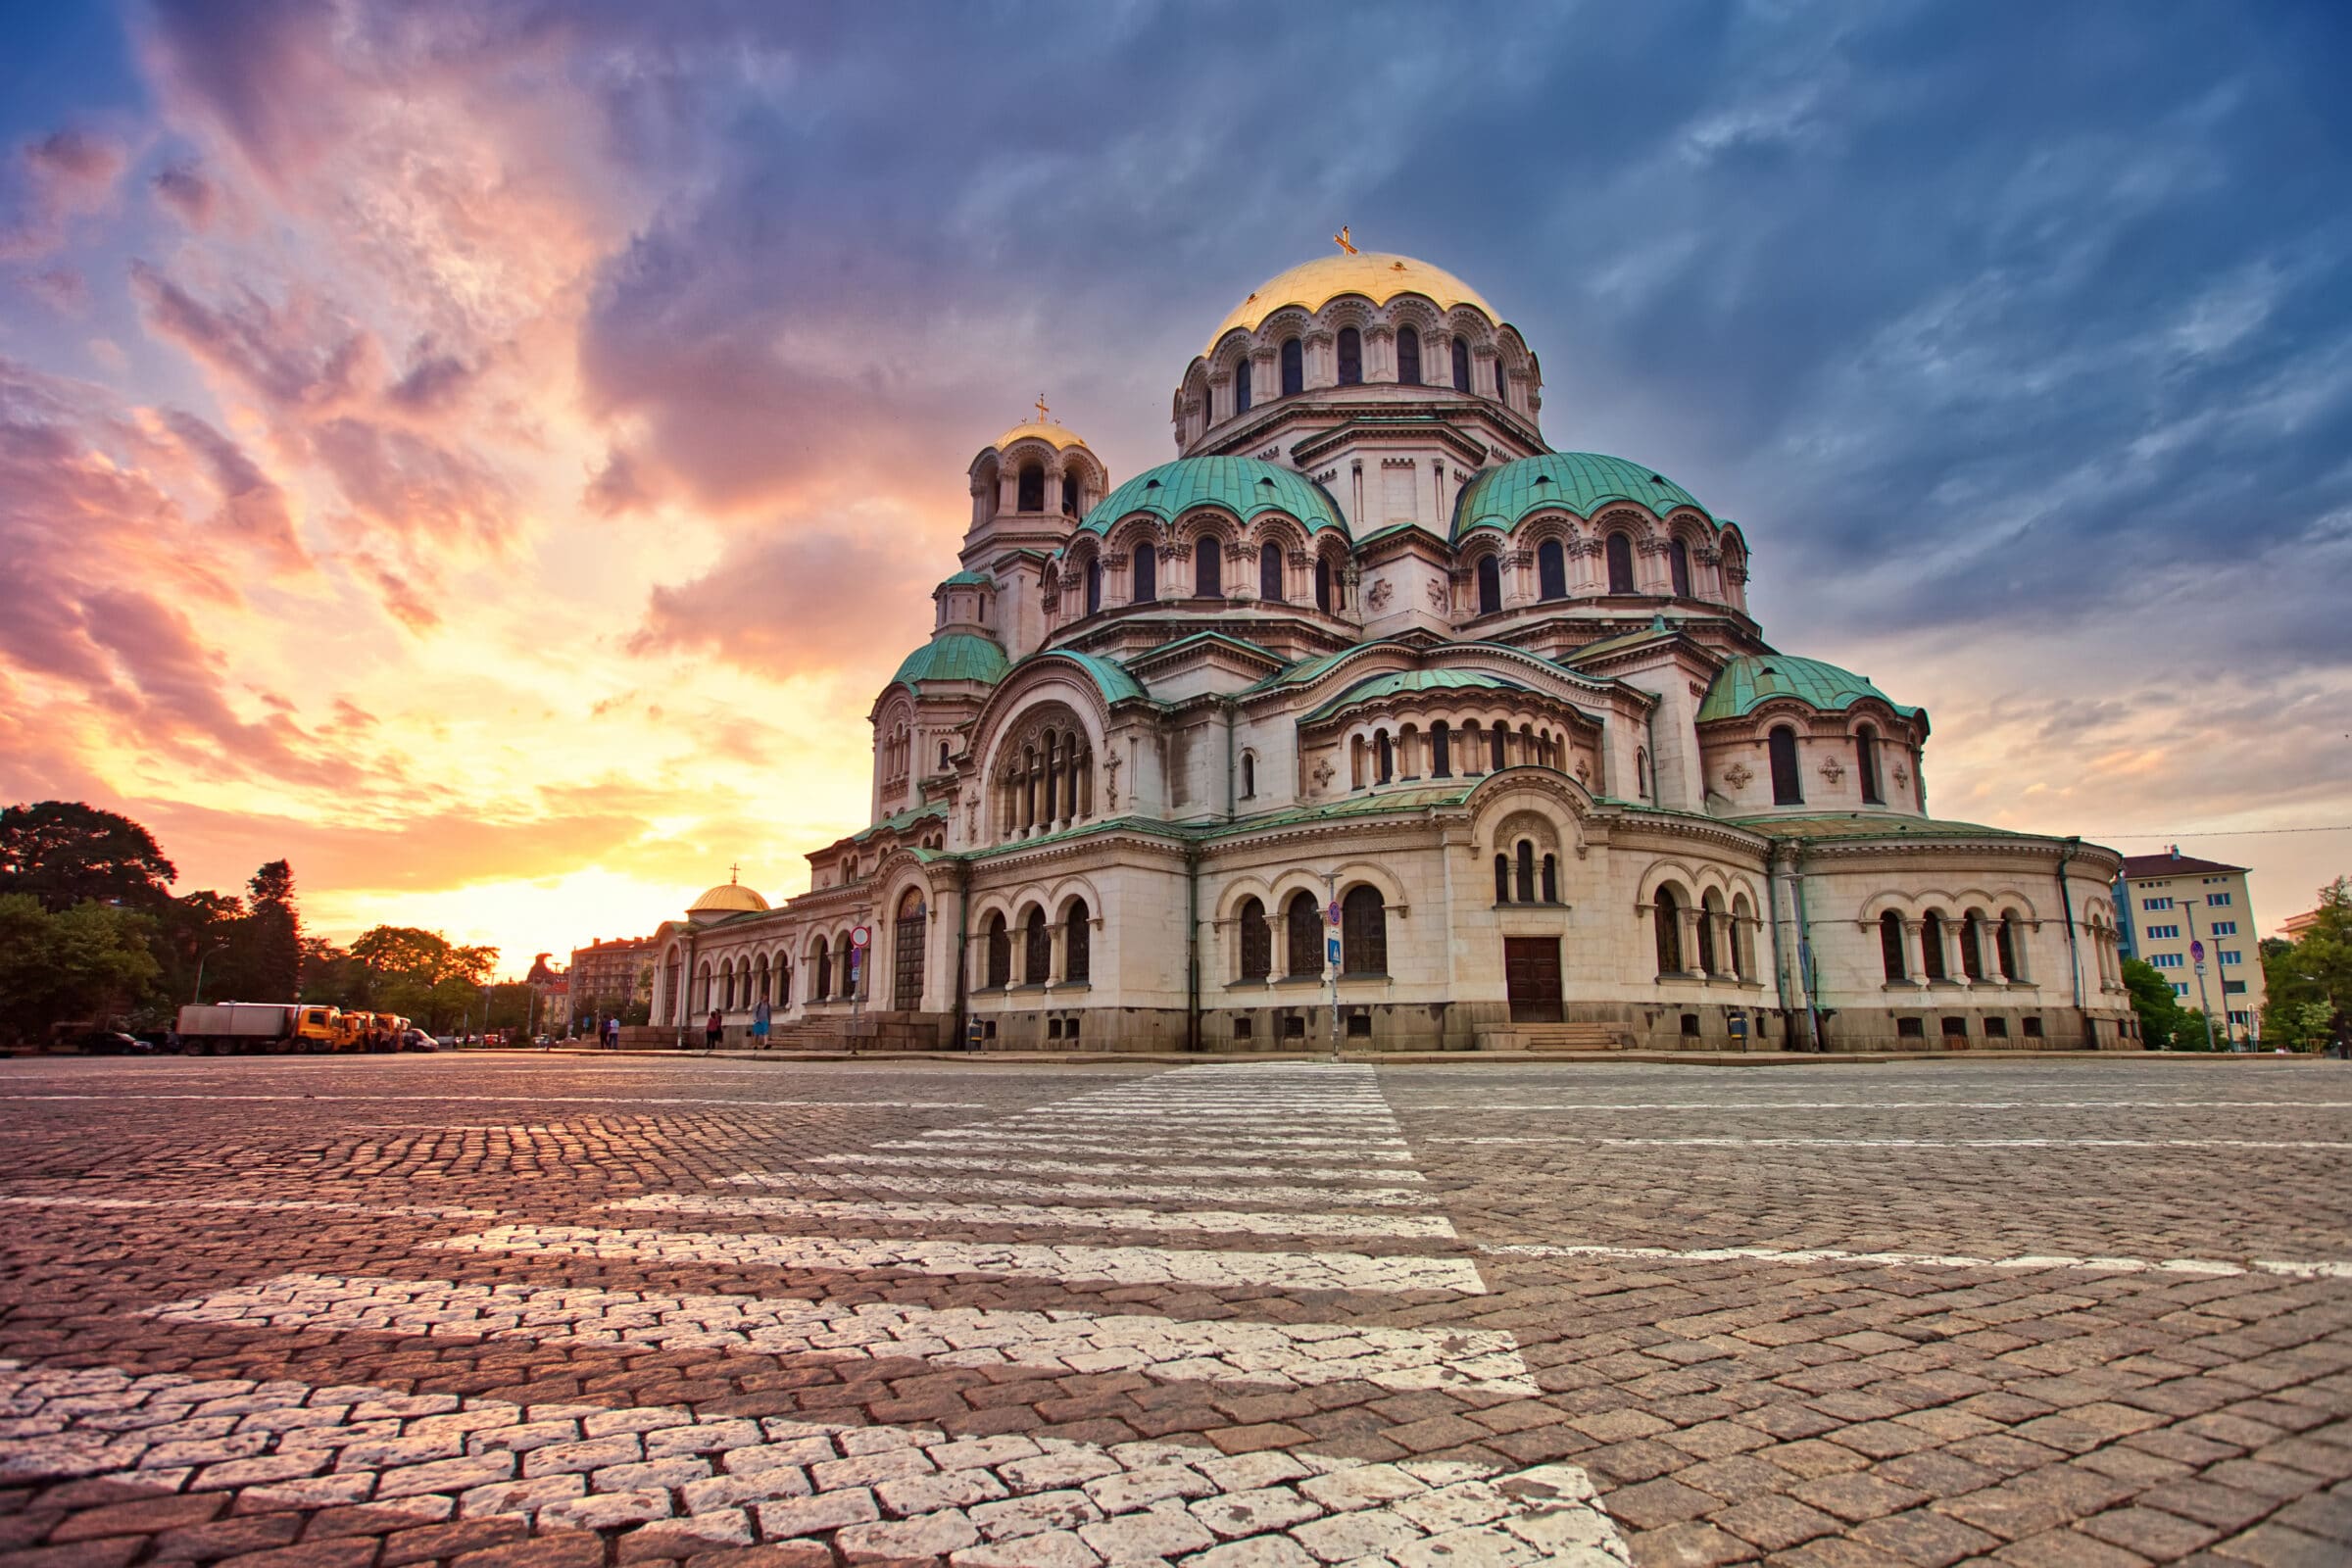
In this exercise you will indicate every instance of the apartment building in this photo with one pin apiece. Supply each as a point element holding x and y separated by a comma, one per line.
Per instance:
<point>2168,905</point>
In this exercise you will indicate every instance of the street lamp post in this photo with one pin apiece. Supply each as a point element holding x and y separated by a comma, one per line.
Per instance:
<point>198,996</point>
<point>2204,1006</point>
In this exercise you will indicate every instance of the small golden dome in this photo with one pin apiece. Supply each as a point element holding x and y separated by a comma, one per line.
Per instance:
<point>1376,276</point>
<point>1054,433</point>
<point>728,897</point>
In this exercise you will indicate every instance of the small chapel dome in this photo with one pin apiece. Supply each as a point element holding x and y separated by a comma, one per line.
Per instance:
<point>728,897</point>
<point>1053,434</point>
<point>1375,274</point>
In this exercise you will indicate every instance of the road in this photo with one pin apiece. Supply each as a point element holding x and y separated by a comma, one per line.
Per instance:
<point>557,1311</point>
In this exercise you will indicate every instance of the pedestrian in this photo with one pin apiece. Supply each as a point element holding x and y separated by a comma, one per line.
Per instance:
<point>712,1031</point>
<point>613,1033</point>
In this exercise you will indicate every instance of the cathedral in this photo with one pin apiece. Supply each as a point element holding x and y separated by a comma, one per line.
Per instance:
<point>1371,719</point>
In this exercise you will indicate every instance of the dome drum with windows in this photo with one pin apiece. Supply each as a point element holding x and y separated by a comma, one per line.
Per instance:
<point>1366,639</point>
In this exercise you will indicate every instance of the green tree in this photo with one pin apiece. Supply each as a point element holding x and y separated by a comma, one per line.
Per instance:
<point>2308,983</point>
<point>2159,1010</point>
<point>193,934</point>
<point>65,853</point>
<point>421,975</point>
<point>272,936</point>
<point>86,964</point>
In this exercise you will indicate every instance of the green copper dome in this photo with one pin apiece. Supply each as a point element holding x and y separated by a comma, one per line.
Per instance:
<point>1414,681</point>
<point>1243,486</point>
<point>955,655</point>
<point>1578,482</point>
<point>1751,680</point>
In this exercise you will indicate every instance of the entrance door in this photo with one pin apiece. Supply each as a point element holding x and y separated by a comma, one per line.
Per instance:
<point>1531,977</point>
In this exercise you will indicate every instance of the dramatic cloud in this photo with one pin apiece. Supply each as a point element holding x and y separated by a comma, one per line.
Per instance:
<point>795,603</point>
<point>60,176</point>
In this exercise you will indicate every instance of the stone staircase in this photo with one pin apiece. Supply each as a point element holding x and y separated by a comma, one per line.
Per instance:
<point>1555,1037</point>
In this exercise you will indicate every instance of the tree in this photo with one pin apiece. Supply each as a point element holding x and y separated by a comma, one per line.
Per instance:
<point>89,964</point>
<point>2159,1010</point>
<point>193,935</point>
<point>2308,982</point>
<point>422,974</point>
<point>65,853</point>
<point>272,934</point>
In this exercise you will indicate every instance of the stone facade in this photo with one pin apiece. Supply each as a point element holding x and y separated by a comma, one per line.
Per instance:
<point>1369,669</point>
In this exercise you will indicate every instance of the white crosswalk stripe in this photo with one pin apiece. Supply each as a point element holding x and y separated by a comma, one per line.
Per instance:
<point>978,1186</point>
<point>1157,1169</point>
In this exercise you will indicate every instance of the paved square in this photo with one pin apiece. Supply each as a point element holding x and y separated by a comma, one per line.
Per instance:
<point>557,1311</point>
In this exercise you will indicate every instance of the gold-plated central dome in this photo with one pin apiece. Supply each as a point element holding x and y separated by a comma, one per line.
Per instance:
<point>1058,435</point>
<point>1376,276</point>
<point>729,896</point>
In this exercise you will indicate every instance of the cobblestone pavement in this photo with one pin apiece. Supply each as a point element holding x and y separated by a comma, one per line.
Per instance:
<point>307,1313</point>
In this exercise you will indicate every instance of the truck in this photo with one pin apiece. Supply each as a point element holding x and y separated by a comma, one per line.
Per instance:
<point>220,1028</point>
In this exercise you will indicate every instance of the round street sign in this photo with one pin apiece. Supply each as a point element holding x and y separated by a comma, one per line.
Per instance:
<point>860,936</point>
<point>2196,953</point>
<point>1331,915</point>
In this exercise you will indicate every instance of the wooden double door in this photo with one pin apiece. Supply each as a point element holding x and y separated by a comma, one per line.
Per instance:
<point>1531,978</point>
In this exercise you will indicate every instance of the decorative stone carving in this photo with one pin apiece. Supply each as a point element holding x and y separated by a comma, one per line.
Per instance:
<point>1698,691</point>
<point>1738,776</point>
<point>1902,774</point>
<point>1323,774</point>
<point>1111,784</point>
<point>1437,592</point>
<point>1584,776</point>
<point>1832,769</point>
<point>1382,592</point>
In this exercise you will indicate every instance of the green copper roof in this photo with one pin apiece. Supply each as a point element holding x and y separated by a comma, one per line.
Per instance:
<point>955,656</point>
<point>928,811</point>
<point>1874,825</point>
<point>1750,681</point>
<point>1243,486</point>
<point>1413,681</point>
<point>1579,481</point>
<point>970,580</point>
<point>1109,676</point>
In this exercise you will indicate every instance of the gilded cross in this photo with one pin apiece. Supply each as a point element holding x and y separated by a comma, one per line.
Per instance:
<point>1344,242</point>
<point>735,872</point>
<point>1040,408</point>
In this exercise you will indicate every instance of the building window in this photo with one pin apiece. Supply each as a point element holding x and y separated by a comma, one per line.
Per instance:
<point>1270,572</point>
<point>822,962</point>
<point>1866,765</point>
<point>1666,916</point>
<point>1930,946</point>
<point>1093,586</point>
<point>2166,933</point>
<point>1069,495</point>
<point>1910,1028</point>
<point>1503,878</point>
<point>1551,879</point>
<point>2033,1028</point>
<point>1490,585</point>
<point>1641,772</point>
<point>2230,956</point>
<point>1890,946</point>
<point>2167,961</point>
<point>1551,569</point>
<point>1461,364</point>
<point>1323,586</point>
<point>1972,945</point>
<point>1384,752</point>
<point>2180,988</point>
<point>1037,950</point>
<point>1208,567</point>
<point>1787,788</point>
<point>2217,901</point>
<point>1678,560</point>
<point>1248,776</point>
<point>1351,356</point>
<point>1258,941</point>
<point>1077,945</point>
<point>1620,564</point>
<point>2224,928</point>
<point>1408,356</point>
<point>1032,488</point>
<point>1495,738</point>
<point>1303,931</point>
<point>1527,872</point>
<point>1956,1028</point>
<point>907,954</point>
<point>1240,386</point>
<point>2004,945</point>
<point>1503,379</point>
<point>1440,750</point>
<point>2155,904</point>
<point>1364,931</point>
<point>1294,367</point>
<point>999,952</point>
<point>1144,579</point>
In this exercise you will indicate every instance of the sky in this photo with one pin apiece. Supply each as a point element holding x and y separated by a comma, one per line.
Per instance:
<point>493,453</point>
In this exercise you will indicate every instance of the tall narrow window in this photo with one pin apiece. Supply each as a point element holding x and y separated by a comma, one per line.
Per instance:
<point>999,952</point>
<point>1620,564</point>
<point>1240,385</point>
<point>1249,777</point>
<point>907,953</point>
<point>1502,880</point>
<point>1208,567</point>
<point>1323,585</point>
<point>1666,916</point>
<point>1502,380</point>
<point>2004,945</point>
<point>1093,586</point>
<point>1302,924</point>
<point>1033,488</point>
<point>1527,872</point>
<point>1256,941</point>
<point>1077,949</point>
<point>1440,749</point>
<point>1551,569</point>
<point>1144,580</point>
<point>1641,773</point>
<point>1408,356</point>
<point>1930,946</point>
<point>1495,738</point>
<point>1461,364</point>
<point>1364,931</point>
<point>1385,754</point>
<point>783,982</point>
<point>1294,367</point>
<point>1706,937</point>
<point>1890,947</point>
<point>1270,572</point>
<point>1551,879</point>
<point>1351,356</point>
<point>1037,949</point>
<point>1972,945</point>
<point>1490,585</point>
<point>1677,559</point>
<point>1787,789</point>
<point>1069,495</point>
<point>822,962</point>
<point>1866,765</point>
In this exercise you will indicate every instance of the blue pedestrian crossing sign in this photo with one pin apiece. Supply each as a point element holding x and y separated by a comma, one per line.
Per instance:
<point>1331,950</point>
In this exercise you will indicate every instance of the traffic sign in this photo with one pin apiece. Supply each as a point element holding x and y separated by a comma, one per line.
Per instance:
<point>2196,953</point>
<point>1331,915</point>
<point>1331,950</point>
<point>860,936</point>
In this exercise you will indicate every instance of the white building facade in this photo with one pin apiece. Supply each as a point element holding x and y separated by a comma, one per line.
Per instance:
<point>1371,717</point>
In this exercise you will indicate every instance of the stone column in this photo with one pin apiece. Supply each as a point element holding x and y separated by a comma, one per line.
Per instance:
<point>1915,937</point>
<point>1688,915</point>
<point>1988,936</point>
<point>1953,969</point>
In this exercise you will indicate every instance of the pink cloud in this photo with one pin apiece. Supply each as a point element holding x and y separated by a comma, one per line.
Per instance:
<point>62,175</point>
<point>793,602</point>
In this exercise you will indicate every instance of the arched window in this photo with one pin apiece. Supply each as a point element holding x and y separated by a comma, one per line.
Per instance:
<point>1240,385</point>
<point>1890,947</point>
<point>1069,495</point>
<point>1351,356</point>
<point>1866,765</point>
<point>823,962</point>
<point>1408,356</point>
<point>1503,379</point>
<point>1527,872</point>
<point>1641,773</point>
<point>1667,916</point>
<point>1077,948</point>
<point>1551,879</point>
<point>1461,364</point>
<point>1708,914</point>
<point>999,952</point>
<point>1502,880</point>
<point>1302,934</point>
<point>1294,367</point>
<point>1551,569</point>
<point>1620,564</point>
<point>1384,758</point>
<point>1364,931</point>
<point>1678,560</point>
<point>942,757</point>
<point>1323,585</point>
<point>1930,946</point>
<point>1033,488</point>
<point>1972,945</point>
<point>1270,572</point>
<point>760,980</point>
<point>1440,749</point>
<point>1144,580</point>
<point>1248,776</point>
<point>783,981</point>
<point>1787,789</point>
<point>906,952</point>
<point>1093,586</point>
<point>1490,584</point>
<point>1037,949</point>
<point>1208,567</point>
<point>1743,917</point>
<point>1495,738</point>
<point>1256,941</point>
<point>2005,945</point>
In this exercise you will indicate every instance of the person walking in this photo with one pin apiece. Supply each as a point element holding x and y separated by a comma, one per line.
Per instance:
<point>712,1031</point>
<point>613,1033</point>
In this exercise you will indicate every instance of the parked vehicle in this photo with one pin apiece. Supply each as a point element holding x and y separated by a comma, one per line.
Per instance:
<point>418,1040</point>
<point>97,1042</point>
<point>222,1027</point>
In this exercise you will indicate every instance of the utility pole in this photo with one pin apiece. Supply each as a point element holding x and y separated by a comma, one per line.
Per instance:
<point>2196,953</point>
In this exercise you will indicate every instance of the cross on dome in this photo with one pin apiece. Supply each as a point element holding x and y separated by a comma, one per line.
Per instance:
<point>1045,415</point>
<point>1344,241</point>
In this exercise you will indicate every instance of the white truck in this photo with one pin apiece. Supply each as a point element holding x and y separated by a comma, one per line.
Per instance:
<point>219,1027</point>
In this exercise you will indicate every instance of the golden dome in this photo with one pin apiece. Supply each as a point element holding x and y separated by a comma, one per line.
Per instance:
<point>1376,276</point>
<point>728,897</point>
<point>1054,433</point>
